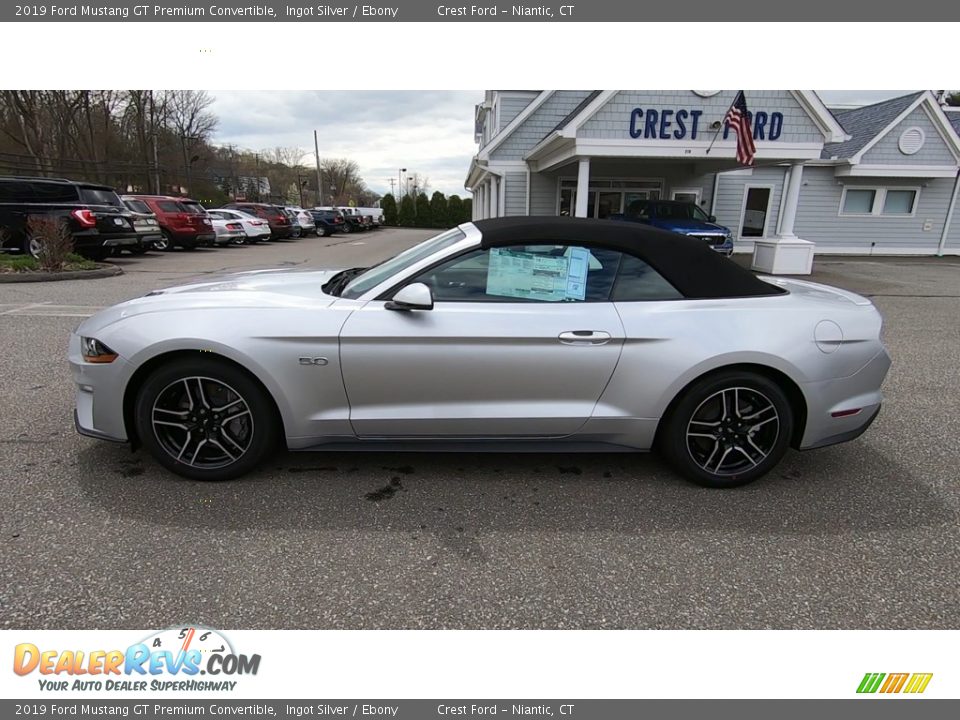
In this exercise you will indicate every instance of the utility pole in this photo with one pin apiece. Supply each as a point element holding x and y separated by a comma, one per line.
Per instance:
<point>316,154</point>
<point>391,189</point>
<point>156,161</point>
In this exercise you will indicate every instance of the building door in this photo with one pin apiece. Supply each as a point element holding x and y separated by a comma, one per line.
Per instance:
<point>608,203</point>
<point>756,210</point>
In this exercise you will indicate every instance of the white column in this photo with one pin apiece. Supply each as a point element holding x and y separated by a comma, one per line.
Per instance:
<point>494,196</point>
<point>786,254</point>
<point>794,182</point>
<point>583,187</point>
<point>480,203</point>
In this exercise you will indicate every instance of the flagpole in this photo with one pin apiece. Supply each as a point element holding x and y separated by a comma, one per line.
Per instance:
<point>717,133</point>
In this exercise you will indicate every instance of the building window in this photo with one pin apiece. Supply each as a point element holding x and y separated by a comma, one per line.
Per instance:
<point>859,202</point>
<point>878,202</point>
<point>899,202</point>
<point>756,210</point>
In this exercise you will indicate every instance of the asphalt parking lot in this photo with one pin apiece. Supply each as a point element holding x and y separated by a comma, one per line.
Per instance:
<point>862,535</point>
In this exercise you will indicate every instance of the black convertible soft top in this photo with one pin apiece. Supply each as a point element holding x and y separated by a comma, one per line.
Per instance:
<point>687,262</point>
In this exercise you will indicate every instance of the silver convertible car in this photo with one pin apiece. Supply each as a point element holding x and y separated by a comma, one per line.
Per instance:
<point>511,334</point>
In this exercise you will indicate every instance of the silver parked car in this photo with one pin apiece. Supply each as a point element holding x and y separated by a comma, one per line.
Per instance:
<point>508,334</point>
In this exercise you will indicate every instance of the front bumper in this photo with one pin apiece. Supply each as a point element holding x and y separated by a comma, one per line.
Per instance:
<point>99,395</point>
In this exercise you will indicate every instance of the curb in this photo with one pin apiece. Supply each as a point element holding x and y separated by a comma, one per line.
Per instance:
<point>103,270</point>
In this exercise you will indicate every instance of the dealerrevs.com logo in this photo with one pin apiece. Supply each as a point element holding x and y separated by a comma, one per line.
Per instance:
<point>174,659</point>
<point>909,683</point>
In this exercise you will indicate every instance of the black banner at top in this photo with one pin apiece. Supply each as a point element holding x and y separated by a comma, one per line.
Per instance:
<point>484,11</point>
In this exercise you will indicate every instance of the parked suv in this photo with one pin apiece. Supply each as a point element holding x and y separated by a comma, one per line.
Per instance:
<point>181,223</point>
<point>279,221</point>
<point>327,221</point>
<point>685,218</point>
<point>97,219</point>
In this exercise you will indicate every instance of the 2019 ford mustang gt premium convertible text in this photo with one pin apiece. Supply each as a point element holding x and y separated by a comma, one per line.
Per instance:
<point>507,334</point>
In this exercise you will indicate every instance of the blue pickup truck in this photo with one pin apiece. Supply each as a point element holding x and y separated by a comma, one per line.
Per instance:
<point>684,218</point>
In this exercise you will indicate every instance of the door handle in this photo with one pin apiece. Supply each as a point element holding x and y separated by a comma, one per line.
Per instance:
<point>584,337</point>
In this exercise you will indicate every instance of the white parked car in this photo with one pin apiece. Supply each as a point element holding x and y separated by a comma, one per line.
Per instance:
<point>254,228</point>
<point>304,220</point>
<point>229,232</point>
<point>374,212</point>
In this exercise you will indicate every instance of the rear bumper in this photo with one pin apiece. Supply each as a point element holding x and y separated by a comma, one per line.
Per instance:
<point>89,241</point>
<point>860,392</point>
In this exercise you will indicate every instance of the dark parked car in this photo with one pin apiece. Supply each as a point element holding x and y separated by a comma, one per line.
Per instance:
<point>684,218</point>
<point>275,215</point>
<point>327,221</point>
<point>181,224</point>
<point>96,217</point>
<point>145,223</point>
<point>351,221</point>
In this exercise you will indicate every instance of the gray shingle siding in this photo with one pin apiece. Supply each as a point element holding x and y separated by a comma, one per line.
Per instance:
<point>538,124</point>
<point>887,150</point>
<point>515,193</point>
<point>512,105</point>
<point>818,216</point>
<point>543,194</point>
<point>612,121</point>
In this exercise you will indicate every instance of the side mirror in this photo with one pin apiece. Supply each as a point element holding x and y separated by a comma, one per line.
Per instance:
<point>712,218</point>
<point>415,296</point>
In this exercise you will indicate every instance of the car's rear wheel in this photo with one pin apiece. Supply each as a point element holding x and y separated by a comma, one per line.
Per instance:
<point>727,429</point>
<point>205,419</point>
<point>347,228</point>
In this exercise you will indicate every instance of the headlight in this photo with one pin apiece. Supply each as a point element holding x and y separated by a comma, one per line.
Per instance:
<point>94,351</point>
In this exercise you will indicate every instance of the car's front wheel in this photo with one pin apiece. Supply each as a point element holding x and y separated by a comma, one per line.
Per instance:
<point>205,419</point>
<point>727,429</point>
<point>164,243</point>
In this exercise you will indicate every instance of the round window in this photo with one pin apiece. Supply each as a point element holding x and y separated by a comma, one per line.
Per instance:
<point>911,140</point>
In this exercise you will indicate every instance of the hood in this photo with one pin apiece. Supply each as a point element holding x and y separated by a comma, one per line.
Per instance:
<point>277,288</point>
<point>689,226</point>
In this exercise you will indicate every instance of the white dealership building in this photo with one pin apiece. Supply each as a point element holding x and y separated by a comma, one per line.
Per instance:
<point>878,179</point>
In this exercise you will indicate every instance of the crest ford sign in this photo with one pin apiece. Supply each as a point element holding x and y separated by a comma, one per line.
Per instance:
<point>681,123</point>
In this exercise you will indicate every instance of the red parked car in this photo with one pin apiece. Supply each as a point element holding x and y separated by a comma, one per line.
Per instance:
<point>183,222</point>
<point>280,226</point>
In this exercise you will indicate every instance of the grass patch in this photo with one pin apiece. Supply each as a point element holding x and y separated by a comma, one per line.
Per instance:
<point>25,263</point>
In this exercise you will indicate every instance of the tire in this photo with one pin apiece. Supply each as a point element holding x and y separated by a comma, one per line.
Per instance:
<point>138,250</point>
<point>229,447</point>
<point>32,247</point>
<point>189,244</point>
<point>347,228</point>
<point>165,243</point>
<point>97,254</point>
<point>709,442</point>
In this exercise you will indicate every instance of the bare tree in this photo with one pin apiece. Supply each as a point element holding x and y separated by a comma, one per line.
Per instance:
<point>192,121</point>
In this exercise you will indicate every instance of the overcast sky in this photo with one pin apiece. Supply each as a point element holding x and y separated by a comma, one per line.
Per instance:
<point>426,131</point>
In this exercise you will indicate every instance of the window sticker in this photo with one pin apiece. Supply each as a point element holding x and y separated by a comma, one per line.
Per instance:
<point>535,276</point>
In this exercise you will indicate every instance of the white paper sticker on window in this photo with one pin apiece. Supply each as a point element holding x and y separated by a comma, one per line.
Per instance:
<point>538,276</point>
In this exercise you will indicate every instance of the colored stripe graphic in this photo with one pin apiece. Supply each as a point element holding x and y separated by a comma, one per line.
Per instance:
<point>870,682</point>
<point>918,682</point>
<point>894,683</point>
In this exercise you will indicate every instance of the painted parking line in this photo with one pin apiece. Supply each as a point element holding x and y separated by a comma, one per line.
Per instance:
<point>50,310</point>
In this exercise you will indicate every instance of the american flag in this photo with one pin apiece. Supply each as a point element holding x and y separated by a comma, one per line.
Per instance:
<point>739,121</point>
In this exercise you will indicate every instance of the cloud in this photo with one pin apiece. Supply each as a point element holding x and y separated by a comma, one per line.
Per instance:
<point>429,132</point>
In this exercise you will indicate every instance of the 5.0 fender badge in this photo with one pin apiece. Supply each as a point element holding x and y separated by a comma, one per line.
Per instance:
<point>313,361</point>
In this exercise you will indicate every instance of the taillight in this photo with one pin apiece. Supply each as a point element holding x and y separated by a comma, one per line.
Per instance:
<point>234,226</point>
<point>85,217</point>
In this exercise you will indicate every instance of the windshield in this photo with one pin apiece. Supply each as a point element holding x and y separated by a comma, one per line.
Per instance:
<point>194,207</point>
<point>377,274</point>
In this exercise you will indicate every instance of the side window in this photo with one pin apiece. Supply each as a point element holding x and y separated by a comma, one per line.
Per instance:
<point>525,273</point>
<point>16,191</point>
<point>638,281</point>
